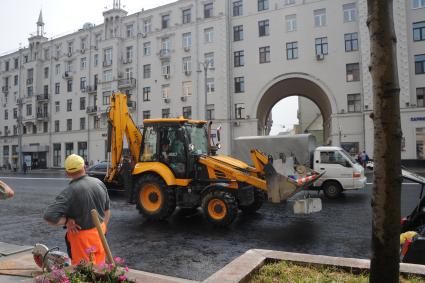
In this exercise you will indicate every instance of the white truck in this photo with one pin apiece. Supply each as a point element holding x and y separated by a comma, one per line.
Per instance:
<point>342,172</point>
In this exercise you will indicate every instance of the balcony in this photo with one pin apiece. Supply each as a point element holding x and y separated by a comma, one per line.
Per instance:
<point>42,97</point>
<point>5,89</point>
<point>30,81</point>
<point>91,110</point>
<point>131,105</point>
<point>127,83</point>
<point>107,63</point>
<point>42,116</point>
<point>164,53</point>
<point>67,75</point>
<point>91,89</point>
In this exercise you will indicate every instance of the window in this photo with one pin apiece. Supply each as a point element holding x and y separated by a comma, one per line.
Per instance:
<point>128,73</point>
<point>6,114</point>
<point>15,80</point>
<point>96,59</point>
<point>187,88</point>
<point>353,72</point>
<point>56,152</point>
<point>106,96</point>
<point>237,8</point>
<point>208,10</point>
<point>147,71</point>
<point>239,84</point>
<point>291,23</point>
<point>187,112</point>
<point>129,30</point>
<point>147,93</point>
<point>165,90</point>
<point>187,65</point>
<point>69,124</point>
<point>263,28</point>
<point>83,83</point>
<point>6,66</point>
<point>96,122</point>
<point>107,75</point>
<point>57,69</point>
<point>264,54</point>
<point>210,85</point>
<point>57,129</point>
<point>165,21</point>
<point>149,149</point>
<point>263,5</point>
<point>147,48</point>
<point>240,110</point>
<point>107,57</point>
<point>129,53</point>
<point>69,85</point>
<point>353,102</point>
<point>209,35</point>
<point>187,40</point>
<point>46,90</point>
<point>210,112</point>
<point>45,127</point>
<point>332,157</point>
<point>349,12</point>
<point>57,106</point>
<point>82,149</point>
<point>46,72</point>
<point>239,58</point>
<point>69,105</point>
<point>83,63</point>
<point>416,4</point>
<point>238,33</point>
<point>292,50</point>
<point>82,123</point>
<point>147,25</point>
<point>420,64</point>
<point>209,57</point>
<point>419,31</point>
<point>16,63</point>
<point>69,148</point>
<point>321,45</point>
<point>165,68</point>
<point>15,113</point>
<point>83,43</point>
<point>82,103</point>
<point>57,88</point>
<point>68,67</point>
<point>420,94</point>
<point>165,46</point>
<point>319,17</point>
<point>146,114</point>
<point>70,47</point>
<point>186,16</point>
<point>29,91</point>
<point>289,2</point>
<point>351,42</point>
<point>165,113</point>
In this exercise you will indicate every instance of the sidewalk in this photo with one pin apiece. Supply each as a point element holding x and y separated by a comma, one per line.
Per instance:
<point>34,172</point>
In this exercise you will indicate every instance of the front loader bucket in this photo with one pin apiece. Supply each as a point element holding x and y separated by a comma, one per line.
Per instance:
<point>281,187</point>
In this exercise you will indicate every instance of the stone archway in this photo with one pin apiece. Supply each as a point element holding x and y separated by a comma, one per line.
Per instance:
<point>296,85</point>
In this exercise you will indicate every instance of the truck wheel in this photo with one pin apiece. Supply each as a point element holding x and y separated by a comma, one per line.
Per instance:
<point>155,200</point>
<point>259,198</point>
<point>332,190</point>
<point>220,208</point>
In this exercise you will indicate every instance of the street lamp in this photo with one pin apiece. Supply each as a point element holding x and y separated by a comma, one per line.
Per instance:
<point>207,65</point>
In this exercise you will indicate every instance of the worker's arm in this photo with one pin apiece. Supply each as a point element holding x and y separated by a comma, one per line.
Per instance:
<point>5,191</point>
<point>56,212</point>
<point>107,217</point>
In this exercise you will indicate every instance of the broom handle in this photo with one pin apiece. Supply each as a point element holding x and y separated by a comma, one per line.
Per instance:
<point>95,218</point>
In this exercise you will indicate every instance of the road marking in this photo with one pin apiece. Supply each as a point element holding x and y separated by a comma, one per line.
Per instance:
<point>401,183</point>
<point>30,178</point>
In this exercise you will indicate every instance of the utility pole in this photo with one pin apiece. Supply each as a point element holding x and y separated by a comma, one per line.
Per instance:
<point>207,65</point>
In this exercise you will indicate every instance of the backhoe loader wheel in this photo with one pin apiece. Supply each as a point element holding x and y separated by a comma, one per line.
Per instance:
<point>155,200</point>
<point>220,208</point>
<point>259,198</point>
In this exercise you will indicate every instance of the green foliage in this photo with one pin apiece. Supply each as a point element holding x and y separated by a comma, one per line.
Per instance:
<point>287,272</point>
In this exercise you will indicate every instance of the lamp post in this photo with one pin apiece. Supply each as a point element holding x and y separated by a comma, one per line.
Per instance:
<point>207,65</point>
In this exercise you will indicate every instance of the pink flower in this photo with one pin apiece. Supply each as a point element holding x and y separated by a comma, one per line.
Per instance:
<point>126,268</point>
<point>90,250</point>
<point>119,260</point>
<point>122,278</point>
<point>102,266</point>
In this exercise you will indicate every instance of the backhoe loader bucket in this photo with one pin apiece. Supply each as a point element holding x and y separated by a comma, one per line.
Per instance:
<point>281,187</point>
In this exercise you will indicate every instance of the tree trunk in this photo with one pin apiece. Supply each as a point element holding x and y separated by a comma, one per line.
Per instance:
<point>384,266</point>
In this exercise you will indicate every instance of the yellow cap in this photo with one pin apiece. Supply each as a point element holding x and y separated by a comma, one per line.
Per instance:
<point>74,163</point>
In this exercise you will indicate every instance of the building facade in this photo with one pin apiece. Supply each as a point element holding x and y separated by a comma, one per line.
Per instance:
<point>229,61</point>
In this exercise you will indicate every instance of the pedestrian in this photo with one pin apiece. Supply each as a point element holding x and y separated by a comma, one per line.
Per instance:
<point>25,167</point>
<point>5,191</point>
<point>72,210</point>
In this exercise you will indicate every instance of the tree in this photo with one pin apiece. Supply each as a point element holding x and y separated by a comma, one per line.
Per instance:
<point>384,266</point>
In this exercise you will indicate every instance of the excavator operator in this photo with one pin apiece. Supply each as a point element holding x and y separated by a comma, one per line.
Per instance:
<point>177,152</point>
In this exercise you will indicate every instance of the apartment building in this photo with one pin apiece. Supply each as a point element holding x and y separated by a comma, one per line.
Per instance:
<point>229,61</point>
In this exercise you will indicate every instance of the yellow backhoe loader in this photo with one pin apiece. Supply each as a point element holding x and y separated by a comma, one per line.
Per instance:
<point>173,163</point>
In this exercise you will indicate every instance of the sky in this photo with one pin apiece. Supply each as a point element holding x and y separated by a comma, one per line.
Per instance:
<point>18,20</point>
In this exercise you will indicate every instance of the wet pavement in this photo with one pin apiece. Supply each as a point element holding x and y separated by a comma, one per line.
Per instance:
<point>185,245</point>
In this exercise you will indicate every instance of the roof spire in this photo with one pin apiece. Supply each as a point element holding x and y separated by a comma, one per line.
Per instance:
<point>116,4</point>
<point>40,24</point>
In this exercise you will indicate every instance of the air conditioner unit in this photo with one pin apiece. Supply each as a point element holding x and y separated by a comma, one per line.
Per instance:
<point>183,98</point>
<point>187,73</point>
<point>366,106</point>
<point>236,123</point>
<point>342,111</point>
<point>82,51</point>
<point>56,57</point>
<point>167,76</point>
<point>167,100</point>
<point>320,57</point>
<point>95,47</point>
<point>144,35</point>
<point>187,49</point>
<point>407,104</point>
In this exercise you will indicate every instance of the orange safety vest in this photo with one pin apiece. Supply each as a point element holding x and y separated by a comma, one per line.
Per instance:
<point>86,242</point>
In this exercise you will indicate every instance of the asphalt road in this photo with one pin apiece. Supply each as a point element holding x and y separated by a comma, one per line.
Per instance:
<point>185,245</point>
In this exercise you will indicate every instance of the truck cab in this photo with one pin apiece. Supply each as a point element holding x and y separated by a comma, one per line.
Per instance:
<point>342,172</point>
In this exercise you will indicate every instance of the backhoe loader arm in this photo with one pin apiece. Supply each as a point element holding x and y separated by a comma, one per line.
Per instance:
<point>121,124</point>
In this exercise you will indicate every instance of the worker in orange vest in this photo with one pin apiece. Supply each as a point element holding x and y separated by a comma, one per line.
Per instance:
<point>72,210</point>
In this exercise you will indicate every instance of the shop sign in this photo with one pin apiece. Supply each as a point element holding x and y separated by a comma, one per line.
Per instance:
<point>413,119</point>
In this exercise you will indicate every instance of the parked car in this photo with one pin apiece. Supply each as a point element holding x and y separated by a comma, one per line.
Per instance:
<point>99,171</point>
